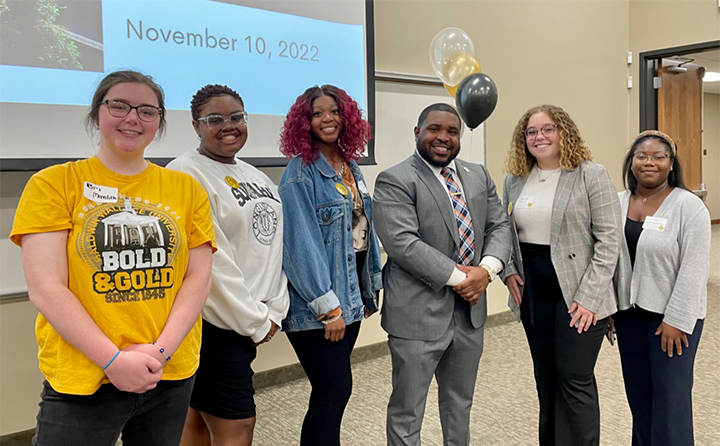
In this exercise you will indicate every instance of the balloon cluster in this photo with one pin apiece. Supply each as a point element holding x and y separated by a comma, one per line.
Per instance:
<point>452,56</point>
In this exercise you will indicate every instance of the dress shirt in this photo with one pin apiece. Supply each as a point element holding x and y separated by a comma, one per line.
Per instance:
<point>494,263</point>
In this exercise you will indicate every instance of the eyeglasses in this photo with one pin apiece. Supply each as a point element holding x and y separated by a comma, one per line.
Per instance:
<point>657,157</point>
<point>237,119</point>
<point>547,130</point>
<point>120,109</point>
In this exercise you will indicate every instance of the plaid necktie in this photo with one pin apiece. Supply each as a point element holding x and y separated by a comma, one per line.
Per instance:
<point>462,216</point>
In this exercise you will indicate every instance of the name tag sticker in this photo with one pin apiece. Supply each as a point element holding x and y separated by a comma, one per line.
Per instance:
<point>363,188</point>
<point>655,223</point>
<point>524,202</point>
<point>100,194</point>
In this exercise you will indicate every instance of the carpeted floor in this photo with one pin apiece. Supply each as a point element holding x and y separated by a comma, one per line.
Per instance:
<point>505,408</point>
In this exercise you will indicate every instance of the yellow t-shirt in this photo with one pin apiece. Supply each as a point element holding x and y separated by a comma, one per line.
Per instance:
<point>127,253</point>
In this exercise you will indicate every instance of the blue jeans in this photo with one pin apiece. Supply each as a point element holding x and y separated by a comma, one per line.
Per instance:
<point>154,418</point>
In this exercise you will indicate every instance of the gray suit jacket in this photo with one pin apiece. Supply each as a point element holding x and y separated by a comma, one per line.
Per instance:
<point>416,224</point>
<point>584,236</point>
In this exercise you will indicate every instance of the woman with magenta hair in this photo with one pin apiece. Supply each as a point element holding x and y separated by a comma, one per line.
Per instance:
<point>332,255</point>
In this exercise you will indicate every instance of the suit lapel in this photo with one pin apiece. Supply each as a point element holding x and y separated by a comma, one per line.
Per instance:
<point>562,198</point>
<point>439,194</point>
<point>470,186</point>
<point>515,186</point>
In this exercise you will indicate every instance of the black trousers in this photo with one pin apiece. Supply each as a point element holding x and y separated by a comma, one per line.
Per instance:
<point>327,366</point>
<point>659,388</point>
<point>563,360</point>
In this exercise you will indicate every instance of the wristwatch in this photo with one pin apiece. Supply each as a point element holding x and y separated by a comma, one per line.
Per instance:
<point>490,271</point>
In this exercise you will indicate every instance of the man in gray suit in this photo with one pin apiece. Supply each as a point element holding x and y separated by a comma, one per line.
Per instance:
<point>447,236</point>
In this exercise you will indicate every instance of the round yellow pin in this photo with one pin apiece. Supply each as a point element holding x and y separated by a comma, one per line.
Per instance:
<point>341,188</point>
<point>529,205</point>
<point>232,182</point>
<point>660,228</point>
<point>510,208</point>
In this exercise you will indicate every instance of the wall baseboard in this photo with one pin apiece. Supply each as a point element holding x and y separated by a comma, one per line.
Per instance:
<point>285,374</point>
<point>22,438</point>
<point>282,375</point>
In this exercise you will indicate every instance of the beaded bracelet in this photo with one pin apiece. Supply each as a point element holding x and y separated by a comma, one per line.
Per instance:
<point>111,360</point>
<point>331,320</point>
<point>162,351</point>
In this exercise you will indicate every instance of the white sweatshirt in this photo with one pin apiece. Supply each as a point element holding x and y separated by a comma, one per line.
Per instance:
<point>249,287</point>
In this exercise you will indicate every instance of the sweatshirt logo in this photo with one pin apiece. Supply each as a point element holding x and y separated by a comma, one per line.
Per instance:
<point>246,192</point>
<point>265,223</point>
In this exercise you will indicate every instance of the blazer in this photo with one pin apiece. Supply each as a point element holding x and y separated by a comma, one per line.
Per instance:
<point>584,236</point>
<point>416,224</point>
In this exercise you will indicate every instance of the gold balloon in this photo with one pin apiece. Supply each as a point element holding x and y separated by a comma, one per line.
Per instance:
<point>452,90</point>
<point>458,67</point>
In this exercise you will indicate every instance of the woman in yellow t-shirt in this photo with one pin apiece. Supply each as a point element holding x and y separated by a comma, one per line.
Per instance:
<point>117,257</point>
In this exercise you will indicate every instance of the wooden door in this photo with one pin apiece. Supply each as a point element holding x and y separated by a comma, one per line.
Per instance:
<point>680,102</point>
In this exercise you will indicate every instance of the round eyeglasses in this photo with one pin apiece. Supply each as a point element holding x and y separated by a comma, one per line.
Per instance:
<point>120,109</point>
<point>547,130</point>
<point>656,158</point>
<point>237,119</point>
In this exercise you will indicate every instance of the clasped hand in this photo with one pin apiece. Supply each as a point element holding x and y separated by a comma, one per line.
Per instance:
<point>474,285</point>
<point>136,369</point>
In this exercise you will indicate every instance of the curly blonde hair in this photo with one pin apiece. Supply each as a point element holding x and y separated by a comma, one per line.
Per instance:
<point>573,150</point>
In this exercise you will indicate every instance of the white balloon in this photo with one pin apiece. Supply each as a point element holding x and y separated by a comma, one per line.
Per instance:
<point>447,43</point>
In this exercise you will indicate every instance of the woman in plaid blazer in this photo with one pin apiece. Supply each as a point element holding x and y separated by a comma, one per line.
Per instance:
<point>565,216</point>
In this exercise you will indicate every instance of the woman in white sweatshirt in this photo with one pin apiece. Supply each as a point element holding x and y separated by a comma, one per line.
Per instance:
<point>661,282</point>
<point>249,297</point>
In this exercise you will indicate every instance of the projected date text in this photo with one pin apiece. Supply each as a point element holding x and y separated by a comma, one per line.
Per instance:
<point>207,39</point>
<point>289,50</point>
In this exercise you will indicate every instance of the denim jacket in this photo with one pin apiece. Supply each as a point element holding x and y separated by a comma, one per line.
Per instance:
<point>319,259</point>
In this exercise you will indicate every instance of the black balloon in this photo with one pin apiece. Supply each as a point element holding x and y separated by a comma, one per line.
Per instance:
<point>476,99</point>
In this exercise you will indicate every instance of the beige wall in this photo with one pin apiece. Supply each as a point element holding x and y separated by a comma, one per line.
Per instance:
<point>711,161</point>
<point>658,24</point>
<point>20,379</point>
<point>569,53</point>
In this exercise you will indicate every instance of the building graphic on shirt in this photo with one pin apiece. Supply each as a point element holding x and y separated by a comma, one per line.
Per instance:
<point>128,229</point>
<point>132,247</point>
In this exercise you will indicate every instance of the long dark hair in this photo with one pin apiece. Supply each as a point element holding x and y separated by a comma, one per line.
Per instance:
<point>675,178</point>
